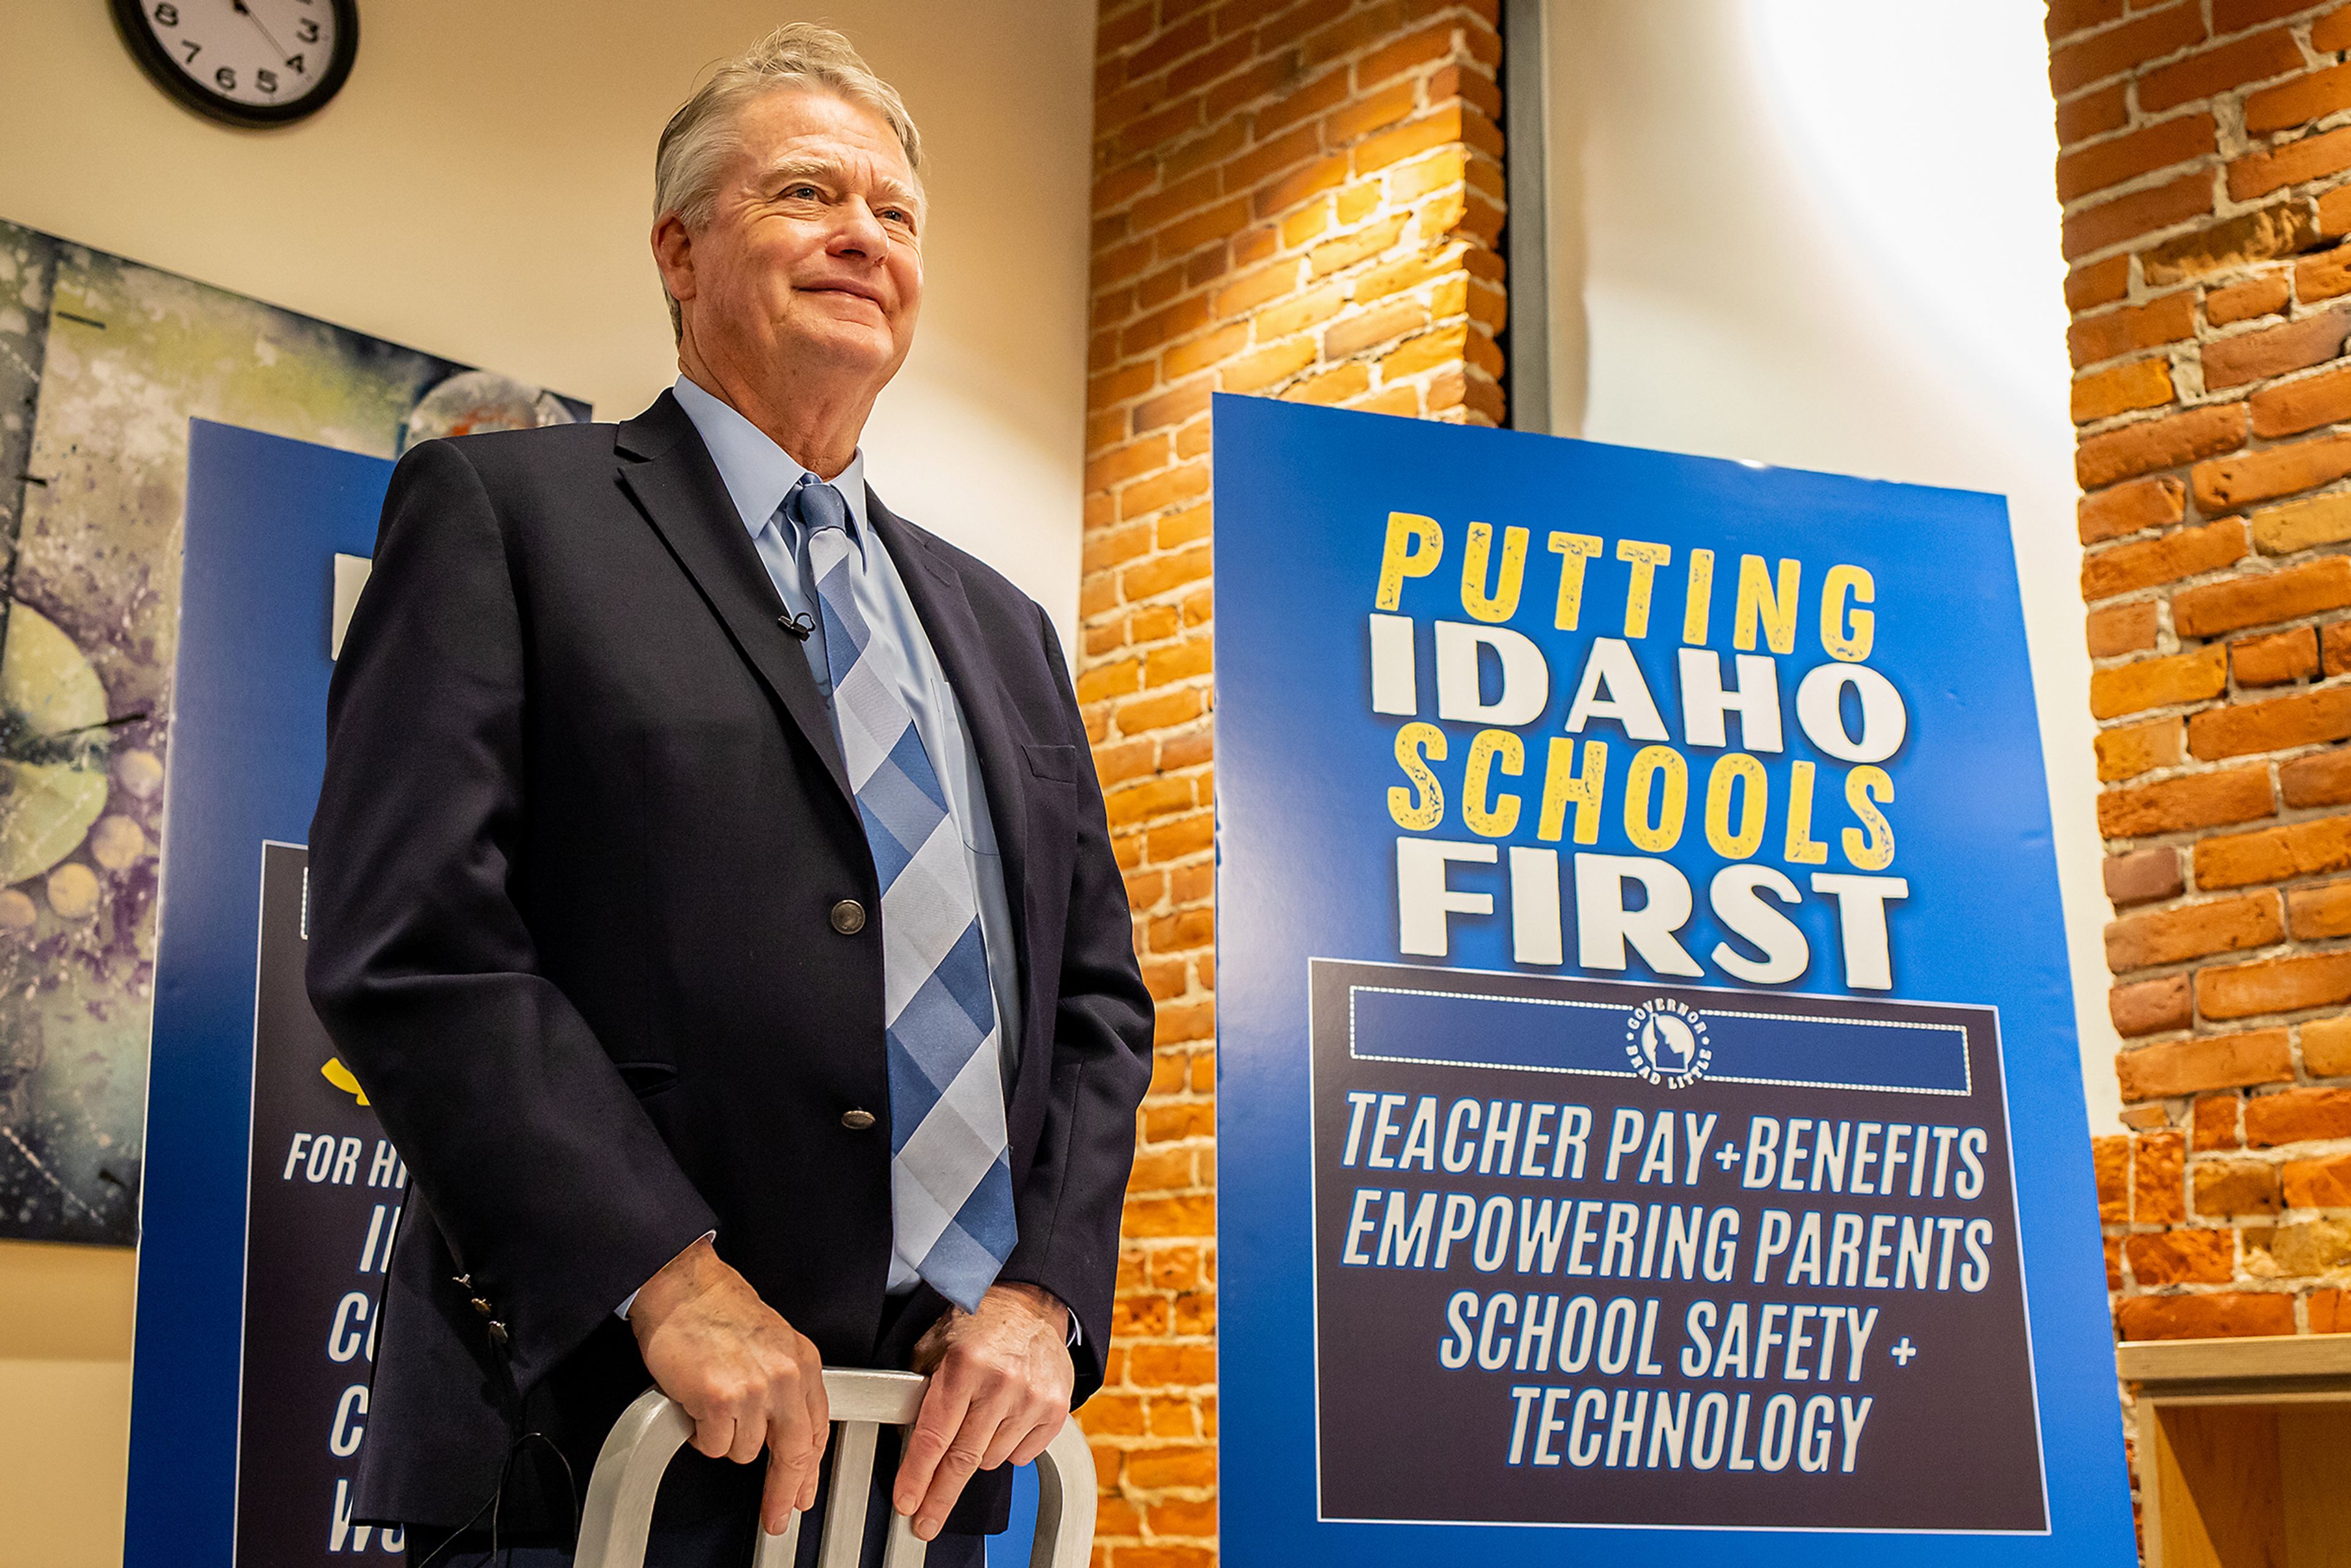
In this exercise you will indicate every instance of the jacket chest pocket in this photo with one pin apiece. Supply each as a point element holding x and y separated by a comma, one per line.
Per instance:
<point>1053,764</point>
<point>647,1079</point>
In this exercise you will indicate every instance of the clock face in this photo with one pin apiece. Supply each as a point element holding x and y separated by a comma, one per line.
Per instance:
<point>247,62</point>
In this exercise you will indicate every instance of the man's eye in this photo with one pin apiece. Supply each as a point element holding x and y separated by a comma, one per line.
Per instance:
<point>797,192</point>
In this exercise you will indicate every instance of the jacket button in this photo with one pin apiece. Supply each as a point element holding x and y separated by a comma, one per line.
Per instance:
<point>849,917</point>
<point>857,1121</point>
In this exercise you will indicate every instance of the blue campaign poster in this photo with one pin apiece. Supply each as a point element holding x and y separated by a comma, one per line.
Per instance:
<point>1648,1100</point>
<point>269,1187</point>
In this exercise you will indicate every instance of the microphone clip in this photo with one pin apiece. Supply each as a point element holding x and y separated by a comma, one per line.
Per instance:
<point>799,626</point>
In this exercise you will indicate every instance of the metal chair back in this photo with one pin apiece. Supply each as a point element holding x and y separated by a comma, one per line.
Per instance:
<point>617,1518</point>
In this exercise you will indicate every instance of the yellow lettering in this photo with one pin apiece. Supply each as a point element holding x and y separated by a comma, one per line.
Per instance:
<point>1573,550</point>
<point>1650,763</point>
<point>1843,635</point>
<point>1413,546</point>
<point>1418,815</point>
<point>1503,603</point>
<point>1737,767</point>
<point>1697,608</point>
<point>1803,849</point>
<point>1496,818</point>
<point>1758,604</point>
<point>1645,558</point>
<point>1562,784</point>
<point>1875,852</point>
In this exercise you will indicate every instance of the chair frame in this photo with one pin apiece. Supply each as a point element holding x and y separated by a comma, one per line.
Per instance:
<point>618,1520</point>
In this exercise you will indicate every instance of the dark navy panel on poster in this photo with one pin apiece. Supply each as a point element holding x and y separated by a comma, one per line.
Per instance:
<point>1649,1100</point>
<point>266,516</point>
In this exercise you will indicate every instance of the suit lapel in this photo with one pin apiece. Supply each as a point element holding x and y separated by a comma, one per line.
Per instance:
<point>944,610</point>
<point>665,467</point>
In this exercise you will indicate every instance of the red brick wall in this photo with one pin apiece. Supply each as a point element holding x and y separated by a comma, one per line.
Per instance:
<point>1297,199</point>
<point>2205,168</point>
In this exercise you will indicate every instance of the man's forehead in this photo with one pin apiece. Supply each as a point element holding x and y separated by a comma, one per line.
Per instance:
<point>799,126</point>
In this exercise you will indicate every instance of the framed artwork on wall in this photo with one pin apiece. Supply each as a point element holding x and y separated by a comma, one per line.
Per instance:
<point>103,362</point>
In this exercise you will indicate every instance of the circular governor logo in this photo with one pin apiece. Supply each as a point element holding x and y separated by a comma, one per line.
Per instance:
<point>1665,1043</point>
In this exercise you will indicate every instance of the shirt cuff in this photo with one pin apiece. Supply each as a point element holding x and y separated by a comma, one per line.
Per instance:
<point>622,1311</point>
<point>1076,1337</point>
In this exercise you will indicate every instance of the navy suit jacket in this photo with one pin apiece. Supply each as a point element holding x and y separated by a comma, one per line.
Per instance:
<point>583,826</point>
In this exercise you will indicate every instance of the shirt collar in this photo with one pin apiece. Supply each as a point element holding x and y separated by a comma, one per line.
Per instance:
<point>757,472</point>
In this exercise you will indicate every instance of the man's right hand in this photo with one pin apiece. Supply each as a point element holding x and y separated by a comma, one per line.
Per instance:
<point>749,1380</point>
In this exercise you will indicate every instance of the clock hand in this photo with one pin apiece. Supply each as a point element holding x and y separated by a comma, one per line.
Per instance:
<point>240,7</point>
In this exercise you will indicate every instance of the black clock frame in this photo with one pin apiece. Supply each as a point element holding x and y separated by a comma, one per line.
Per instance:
<point>131,21</point>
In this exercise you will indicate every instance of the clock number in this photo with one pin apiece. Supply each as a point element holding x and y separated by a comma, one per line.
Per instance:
<point>194,48</point>
<point>267,80</point>
<point>296,62</point>
<point>306,30</point>
<point>227,77</point>
<point>167,16</point>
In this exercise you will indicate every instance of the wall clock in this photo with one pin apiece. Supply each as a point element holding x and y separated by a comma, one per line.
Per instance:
<point>254,63</point>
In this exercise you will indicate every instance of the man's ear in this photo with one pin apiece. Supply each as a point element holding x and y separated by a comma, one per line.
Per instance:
<point>674,254</point>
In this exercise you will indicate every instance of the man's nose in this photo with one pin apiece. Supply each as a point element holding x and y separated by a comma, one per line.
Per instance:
<point>860,232</point>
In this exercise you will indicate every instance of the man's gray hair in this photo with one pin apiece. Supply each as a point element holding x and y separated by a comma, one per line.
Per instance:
<point>700,137</point>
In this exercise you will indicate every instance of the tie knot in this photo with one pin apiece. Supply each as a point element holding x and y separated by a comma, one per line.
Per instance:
<point>816,505</point>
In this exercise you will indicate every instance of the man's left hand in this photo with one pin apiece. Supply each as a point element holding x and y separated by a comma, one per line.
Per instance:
<point>1000,1385</point>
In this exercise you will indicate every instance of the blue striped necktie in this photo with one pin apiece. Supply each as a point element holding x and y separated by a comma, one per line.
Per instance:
<point>950,1174</point>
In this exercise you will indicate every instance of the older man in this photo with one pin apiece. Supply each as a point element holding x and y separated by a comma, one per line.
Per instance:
<point>711,892</point>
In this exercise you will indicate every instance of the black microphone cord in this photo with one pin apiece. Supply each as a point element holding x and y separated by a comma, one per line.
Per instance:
<point>570,1489</point>
<point>493,1505</point>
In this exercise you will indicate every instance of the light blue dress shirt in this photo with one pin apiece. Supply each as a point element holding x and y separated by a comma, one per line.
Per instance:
<point>759,474</point>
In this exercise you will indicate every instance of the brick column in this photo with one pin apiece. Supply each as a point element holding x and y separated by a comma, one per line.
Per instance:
<point>1297,199</point>
<point>2206,145</point>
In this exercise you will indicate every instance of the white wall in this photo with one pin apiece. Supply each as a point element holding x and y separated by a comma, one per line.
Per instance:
<point>1823,233</point>
<point>481,190</point>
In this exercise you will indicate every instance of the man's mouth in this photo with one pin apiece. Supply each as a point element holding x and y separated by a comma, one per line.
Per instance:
<point>853,290</point>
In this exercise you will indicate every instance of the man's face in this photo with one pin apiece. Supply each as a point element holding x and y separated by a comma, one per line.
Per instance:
<point>812,254</point>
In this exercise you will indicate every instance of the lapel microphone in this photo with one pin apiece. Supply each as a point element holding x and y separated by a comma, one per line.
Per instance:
<point>798,625</point>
